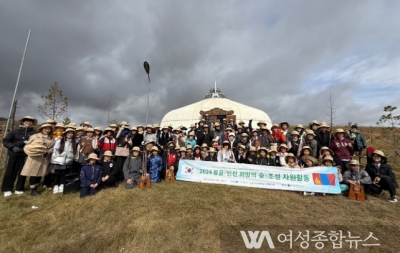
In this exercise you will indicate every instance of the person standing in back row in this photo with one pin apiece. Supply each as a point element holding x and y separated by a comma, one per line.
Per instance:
<point>15,142</point>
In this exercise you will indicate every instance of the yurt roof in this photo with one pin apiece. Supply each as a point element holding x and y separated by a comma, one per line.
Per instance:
<point>190,114</point>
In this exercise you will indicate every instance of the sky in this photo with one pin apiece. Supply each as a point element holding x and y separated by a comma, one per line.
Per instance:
<point>283,57</point>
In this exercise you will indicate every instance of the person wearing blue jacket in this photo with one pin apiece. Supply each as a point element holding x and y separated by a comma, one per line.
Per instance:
<point>90,176</point>
<point>154,165</point>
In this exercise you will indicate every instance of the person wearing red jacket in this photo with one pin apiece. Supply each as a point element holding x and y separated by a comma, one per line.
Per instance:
<point>107,141</point>
<point>277,136</point>
<point>341,148</point>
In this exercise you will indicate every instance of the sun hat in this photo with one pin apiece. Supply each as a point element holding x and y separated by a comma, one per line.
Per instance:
<point>45,125</point>
<point>328,158</point>
<point>97,129</point>
<point>226,143</point>
<point>108,129</point>
<point>69,130</point>
<point>51,121</point>
<point>182,149</point>
<point>379,152</point>
<point>339,130</point>
<point>124,123</point>
<point>60,125</point>
<point>253,149</point>
<point>245,135</point>
<point>326,148</point>
<point>261,122</point>
<point>113,125</point>
<point>177,147</point>
<point>212,150</point>
<point>307,147</point>
<point>189,147</point>
<point>133,128</point>
<point>86,123</point>
<point>177,129</point>
<point>310,132</point>
<point>79,128</point>
<point>283,145</point>
<point>353,162</point>
<point>204,145</point>
<point>231,134</point>
<point>107,153</point>
<point>90,129</point>
<point>156,126</point>
<point>149,126</point>
<point>165,127</point>
<point>273,149</point>
<point>92,156</point>
<point>299,126</point>
<point>30,118</point>
<point>135,149</point>
<point>314,122</point>
<point>241,122</point>
<point>294,132</point>
<point>290,155</point>
<point>323,124</point>
<point>228,129</point>
<point>311,158</point>
<point>154,148</point>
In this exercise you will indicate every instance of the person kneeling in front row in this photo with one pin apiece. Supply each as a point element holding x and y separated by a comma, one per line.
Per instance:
<point>353,174</point>
<point>90,176</point>
<point>132,168</point>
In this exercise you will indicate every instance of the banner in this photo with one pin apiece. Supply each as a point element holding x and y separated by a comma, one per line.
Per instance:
<point>315,179</point>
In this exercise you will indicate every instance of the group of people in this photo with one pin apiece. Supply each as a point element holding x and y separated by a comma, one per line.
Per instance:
<point>121,153</point>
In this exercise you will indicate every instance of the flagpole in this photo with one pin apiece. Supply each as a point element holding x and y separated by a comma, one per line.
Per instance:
<point>15,91</point>
<point>16,85</point>
<point>146,66</point>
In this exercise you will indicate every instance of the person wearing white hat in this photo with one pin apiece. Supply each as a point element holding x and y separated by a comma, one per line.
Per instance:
<point>164,137</point>
<point>109,170</point>
<point>14,142</point>
<point>107,142</point>
<point>311,142</point>
<point>355,173</point>
<point>155,165</point>
<point>295,144</point>
<point>190,140</point>
<point>86,146</point>
<point>132,168</point>
<point>90,176</point>
<point>212,157</point>
<point>39,149</point>
<point>382,175</point>
<point>136,137</point>
<point>342,149</point>
<point>148,135</point>
<point>62,160</point>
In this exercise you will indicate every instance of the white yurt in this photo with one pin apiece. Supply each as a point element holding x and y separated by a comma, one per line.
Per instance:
<point>217,106</point>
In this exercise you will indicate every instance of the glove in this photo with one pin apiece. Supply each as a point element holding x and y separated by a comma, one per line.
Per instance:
<point>16,149</point>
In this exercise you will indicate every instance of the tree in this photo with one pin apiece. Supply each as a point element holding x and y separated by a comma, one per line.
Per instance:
<point>332,109</point>
<point>66,121</point>
<point>391,121</point>
<point>54,104</point>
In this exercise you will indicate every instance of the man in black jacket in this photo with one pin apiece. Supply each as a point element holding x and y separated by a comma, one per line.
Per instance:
<point>382,174</point>
<point>164,137</point>
<point>15,142</point>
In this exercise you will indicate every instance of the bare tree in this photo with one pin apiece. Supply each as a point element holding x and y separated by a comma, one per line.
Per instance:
<point>109,109</point>
<point>392,122</point>
<point>332,108</point>
<point>54,104</point>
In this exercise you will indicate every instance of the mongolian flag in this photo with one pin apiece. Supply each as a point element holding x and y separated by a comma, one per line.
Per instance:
<point>323,179</point>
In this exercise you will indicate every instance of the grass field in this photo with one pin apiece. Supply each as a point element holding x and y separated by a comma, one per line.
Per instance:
<point>180,217</point>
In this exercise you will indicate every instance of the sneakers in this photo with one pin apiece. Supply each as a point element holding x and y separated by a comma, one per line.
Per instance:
<point>7,194</point>
<point>19,192</point>
<point>61,188</point>
<point>46,187</point>
<point>55,189</point>
<point>309,193</point>
<point>393,199</point>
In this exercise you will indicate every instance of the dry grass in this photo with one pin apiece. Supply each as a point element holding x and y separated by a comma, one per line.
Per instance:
<point>180,217</point>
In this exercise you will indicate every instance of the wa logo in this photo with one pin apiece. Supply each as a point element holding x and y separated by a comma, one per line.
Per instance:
<point>253,243</point>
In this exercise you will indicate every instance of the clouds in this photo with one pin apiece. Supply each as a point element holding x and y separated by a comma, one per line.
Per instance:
<point>281,57</point>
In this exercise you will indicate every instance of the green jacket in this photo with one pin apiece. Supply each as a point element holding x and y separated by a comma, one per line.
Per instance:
<point>359,140</point>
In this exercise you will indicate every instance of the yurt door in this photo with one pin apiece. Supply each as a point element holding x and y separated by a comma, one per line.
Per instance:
<point>229,117</point>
